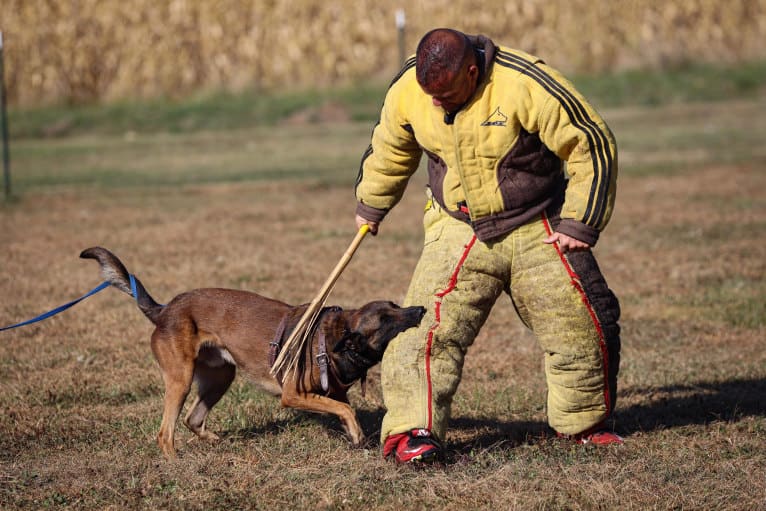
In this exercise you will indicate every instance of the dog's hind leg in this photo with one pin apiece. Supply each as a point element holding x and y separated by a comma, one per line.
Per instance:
<point>212,384</point>
<point>176,389</point>
<point>177,373</point>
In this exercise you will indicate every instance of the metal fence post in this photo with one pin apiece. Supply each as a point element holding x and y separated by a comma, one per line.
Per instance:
<point>4,125</point>
<point>400,22</point>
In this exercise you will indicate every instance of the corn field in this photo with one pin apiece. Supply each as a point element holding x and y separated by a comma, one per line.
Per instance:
<point>76,51</point>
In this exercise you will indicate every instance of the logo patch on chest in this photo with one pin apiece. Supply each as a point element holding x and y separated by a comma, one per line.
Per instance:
<point>496,118</point>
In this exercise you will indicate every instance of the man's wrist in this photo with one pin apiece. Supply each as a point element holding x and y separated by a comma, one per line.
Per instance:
<point>369,213</point>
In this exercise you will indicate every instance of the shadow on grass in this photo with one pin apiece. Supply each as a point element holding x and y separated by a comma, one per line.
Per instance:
<point>369,420</point>
<point>665,407</point>
<point>495,433</point>
<point>692,404</point>
<point>671,406</point>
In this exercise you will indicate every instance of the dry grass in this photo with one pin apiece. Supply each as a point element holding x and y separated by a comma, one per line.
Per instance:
<point>88,50</point>
<point>81,395</point>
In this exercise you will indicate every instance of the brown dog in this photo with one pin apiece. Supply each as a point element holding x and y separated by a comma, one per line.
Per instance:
<point>203,335</point>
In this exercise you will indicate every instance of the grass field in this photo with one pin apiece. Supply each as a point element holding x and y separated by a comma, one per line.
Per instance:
<point>269,208</point>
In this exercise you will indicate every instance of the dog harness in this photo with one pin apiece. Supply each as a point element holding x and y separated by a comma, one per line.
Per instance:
<point>323,360</point>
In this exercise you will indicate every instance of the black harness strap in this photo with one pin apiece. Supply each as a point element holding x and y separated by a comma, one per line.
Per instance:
<point>276,344</point>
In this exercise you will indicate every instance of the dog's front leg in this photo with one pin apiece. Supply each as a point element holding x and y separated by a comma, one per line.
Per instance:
<point>321,404</point>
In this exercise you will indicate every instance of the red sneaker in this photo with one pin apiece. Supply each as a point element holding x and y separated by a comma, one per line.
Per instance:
<point>415,446</point>
<point>597,435</point>
<point>603,437</point>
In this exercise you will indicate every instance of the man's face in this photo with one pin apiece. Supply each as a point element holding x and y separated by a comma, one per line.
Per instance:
<point>455,89</point>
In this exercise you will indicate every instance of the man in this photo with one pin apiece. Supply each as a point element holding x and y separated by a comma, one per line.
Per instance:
<point>503,214</point>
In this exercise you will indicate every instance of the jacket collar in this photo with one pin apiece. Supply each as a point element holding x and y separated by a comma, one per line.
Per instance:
<point>485,54</point>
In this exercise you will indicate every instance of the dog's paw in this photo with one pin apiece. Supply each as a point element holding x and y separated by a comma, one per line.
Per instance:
<point>358,440</point>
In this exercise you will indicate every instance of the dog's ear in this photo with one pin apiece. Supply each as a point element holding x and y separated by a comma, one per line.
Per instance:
<point>349,341</point>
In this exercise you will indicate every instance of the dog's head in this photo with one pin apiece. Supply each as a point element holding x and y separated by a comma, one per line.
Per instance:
<point>367,332</point>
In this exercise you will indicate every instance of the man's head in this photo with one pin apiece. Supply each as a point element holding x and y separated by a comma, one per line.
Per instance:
<point>446,68</point>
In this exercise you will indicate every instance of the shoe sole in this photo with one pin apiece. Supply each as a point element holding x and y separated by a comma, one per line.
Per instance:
<point>426,458</point>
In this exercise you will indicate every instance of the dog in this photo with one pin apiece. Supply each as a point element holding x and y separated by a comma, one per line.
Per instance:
<point>205,335</point>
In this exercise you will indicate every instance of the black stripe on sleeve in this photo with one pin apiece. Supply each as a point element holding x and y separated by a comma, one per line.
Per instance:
<point>597,139</point>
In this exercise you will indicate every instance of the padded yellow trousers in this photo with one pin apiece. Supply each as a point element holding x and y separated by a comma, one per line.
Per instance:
<point>562,298</point>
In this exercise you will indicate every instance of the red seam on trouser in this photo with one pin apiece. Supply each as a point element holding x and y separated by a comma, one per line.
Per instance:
<point>601,342</point>
<point>437,320</point>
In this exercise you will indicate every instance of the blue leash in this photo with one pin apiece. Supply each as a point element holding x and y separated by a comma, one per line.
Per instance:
<point>64,307</point>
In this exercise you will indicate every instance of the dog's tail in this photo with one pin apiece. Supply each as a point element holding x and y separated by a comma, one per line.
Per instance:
<point>117,275</point>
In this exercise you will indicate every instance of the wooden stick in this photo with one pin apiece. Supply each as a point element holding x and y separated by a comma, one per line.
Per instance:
<point>303,330</point>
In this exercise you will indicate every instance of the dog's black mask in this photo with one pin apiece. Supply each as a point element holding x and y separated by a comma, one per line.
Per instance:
<point>367,333</point>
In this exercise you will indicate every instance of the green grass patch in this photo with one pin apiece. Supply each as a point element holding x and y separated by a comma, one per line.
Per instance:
<point>690,82</point>
<point>652,141</point>
<point>254,136</point>
<point>227,111</point>
<point>682,138</point>
<point>307,153</point>
<point>202,112</point>
<point>734,301</point>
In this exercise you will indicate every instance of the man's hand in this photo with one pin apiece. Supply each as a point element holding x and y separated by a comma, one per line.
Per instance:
<point>373,225</point>
<point>567,243</point>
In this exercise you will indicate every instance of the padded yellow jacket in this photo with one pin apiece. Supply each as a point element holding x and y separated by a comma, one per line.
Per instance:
<point>525,142</point>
